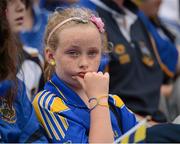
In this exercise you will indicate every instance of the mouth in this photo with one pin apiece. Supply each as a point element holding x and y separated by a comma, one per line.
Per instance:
<point>19,20</point>
<point>81,74</point>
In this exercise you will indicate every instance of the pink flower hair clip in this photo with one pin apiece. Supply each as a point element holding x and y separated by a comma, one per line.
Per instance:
<point>98,22</point>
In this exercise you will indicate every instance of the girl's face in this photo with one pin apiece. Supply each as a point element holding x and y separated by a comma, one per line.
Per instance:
<point>15,13</point>
<point>79,51</point>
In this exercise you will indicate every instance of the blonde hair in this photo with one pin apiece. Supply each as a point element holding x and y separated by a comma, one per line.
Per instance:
<point>61,19</point>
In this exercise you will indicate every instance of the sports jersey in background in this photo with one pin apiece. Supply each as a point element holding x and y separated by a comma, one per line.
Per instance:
<point>19,124</point>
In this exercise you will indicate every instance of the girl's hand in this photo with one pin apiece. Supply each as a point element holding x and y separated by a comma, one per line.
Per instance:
<point>95,84</point>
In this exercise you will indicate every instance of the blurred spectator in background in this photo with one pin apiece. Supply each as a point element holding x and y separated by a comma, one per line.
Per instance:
<point>35,21</point>
<point>18,122</point>
<point>138,62</point>
<point>87,3</point>
<point>168,101</point>
<point>31,67</point>
<point>170,15</point>
<point>163,133</point>
<point>150,9</point>
<point>51,5</point>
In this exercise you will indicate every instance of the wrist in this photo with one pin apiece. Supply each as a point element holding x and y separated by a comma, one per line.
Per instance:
<point>98,101</point>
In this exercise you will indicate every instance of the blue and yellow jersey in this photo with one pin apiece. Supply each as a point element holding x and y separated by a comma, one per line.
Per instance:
<point>66,118</point>
<point>19,123</point>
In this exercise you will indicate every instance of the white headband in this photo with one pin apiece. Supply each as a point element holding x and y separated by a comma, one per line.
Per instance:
<point>63,22</point>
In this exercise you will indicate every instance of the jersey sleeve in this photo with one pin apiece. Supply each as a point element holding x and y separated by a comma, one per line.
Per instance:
<point>58,119</point>
<point>126,116</point>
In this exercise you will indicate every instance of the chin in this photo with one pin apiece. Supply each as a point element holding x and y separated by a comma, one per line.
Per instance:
<point>18,29</point>
<point>75,85</point>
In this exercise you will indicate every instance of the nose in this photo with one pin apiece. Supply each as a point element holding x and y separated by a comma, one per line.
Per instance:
<point>20,7</point>
<point>83,62</point>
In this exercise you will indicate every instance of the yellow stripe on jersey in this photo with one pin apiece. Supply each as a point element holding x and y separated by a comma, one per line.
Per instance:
<point>48,100</point>
<point>48,120</point>
<point>52,118</point>
<point>57,88</point>
<point>51,126</point>
<point>58,105</point>
<point>64,122</point>
<point>38,112</point>
<point>59,128</point>
<point>118,102</point>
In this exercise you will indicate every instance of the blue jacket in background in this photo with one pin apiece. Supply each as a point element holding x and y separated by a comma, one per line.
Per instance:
<point>19,124</point>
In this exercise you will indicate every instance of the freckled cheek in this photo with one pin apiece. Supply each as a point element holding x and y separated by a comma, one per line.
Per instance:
<point>63,65</point>
<point>69,67</point>
<point>95,64</point>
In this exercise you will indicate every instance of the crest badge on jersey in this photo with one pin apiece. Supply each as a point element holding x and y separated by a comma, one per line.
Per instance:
<point>6,113</point>
<point>124,57</point>
<point>147,58</point>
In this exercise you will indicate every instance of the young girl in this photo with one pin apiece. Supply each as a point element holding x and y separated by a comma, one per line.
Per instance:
<point>18,122</point>
<point>31,67</point>
<point>75,104</point>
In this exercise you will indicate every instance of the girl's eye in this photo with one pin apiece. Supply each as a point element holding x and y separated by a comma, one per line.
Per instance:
<point>73,53</point>
<point>93,53</point>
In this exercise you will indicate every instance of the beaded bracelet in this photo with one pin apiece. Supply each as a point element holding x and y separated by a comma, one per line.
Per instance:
<point>98,102</point>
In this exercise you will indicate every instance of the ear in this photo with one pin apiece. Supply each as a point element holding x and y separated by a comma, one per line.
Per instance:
<point>49,54</point>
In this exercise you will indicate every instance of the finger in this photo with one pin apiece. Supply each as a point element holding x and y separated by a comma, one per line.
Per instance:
<point>80,80</point>
<point>106,74</point>
<point>100,73</point>
<point>94,73</point>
